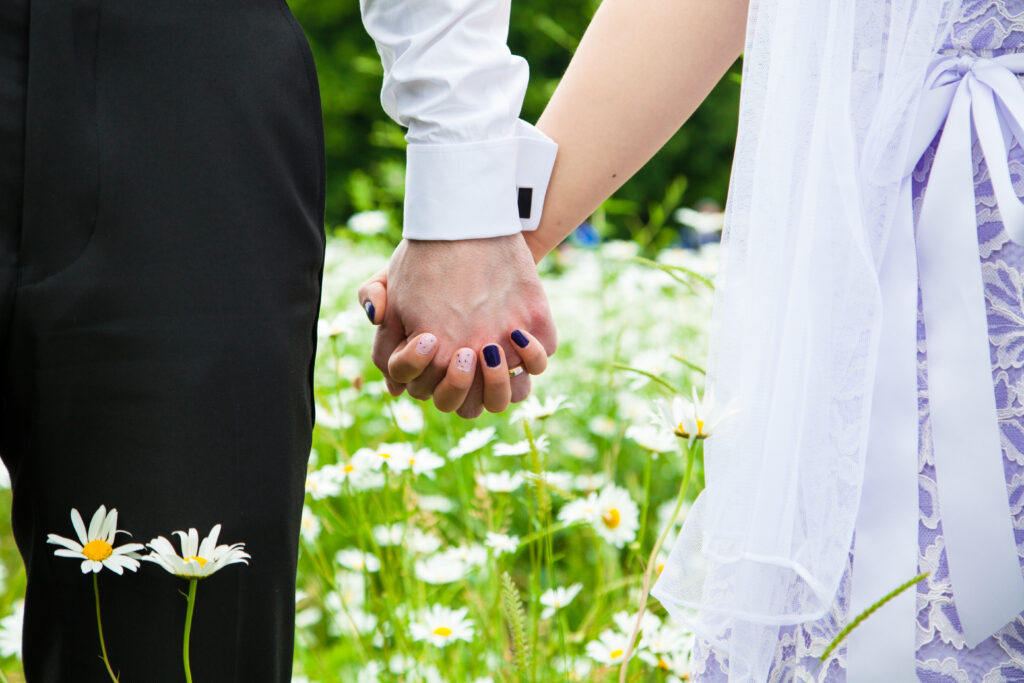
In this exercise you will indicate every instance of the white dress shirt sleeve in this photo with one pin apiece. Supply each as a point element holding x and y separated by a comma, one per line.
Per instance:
<point>474,169</point>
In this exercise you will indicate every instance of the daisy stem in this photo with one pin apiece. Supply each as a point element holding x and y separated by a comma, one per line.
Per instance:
<point>99,626</point>
<point>652,561</point>
<point>645,506</point>
<point>188,627</point>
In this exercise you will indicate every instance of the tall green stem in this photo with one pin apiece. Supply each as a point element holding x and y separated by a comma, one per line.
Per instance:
<point>188,626</point>
<point>99,626</point>
<point>652,562</point>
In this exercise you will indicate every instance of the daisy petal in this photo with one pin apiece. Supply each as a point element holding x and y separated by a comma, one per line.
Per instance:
<point>76,521</point>
<point>97,521</point>
<point>66,542</point>
<point>109,528</point>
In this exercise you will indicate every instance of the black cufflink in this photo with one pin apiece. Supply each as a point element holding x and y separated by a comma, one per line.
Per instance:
<point>525,202</point>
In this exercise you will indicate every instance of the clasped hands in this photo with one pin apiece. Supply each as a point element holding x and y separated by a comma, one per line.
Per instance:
<point>454,316</point>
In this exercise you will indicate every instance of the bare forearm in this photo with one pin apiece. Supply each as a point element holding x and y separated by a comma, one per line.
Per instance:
<point>641,70</point>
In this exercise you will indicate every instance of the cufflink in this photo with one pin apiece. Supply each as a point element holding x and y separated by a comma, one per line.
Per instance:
<point>525,202</point>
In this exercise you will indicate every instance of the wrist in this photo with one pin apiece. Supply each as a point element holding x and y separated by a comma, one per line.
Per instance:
<point>536,245</point>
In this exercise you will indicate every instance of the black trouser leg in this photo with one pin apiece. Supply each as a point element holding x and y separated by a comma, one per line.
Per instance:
<point>159,351</point>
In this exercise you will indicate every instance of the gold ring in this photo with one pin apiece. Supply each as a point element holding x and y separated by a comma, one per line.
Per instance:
<point>516,371</point>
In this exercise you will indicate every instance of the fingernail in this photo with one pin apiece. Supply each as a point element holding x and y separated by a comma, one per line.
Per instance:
<point>491,356</point>
<point>426,344</point>
<point>464,361</point>
<point>520,339</point>
<point>370,312</point>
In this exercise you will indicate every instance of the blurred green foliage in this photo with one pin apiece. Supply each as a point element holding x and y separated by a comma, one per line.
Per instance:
<point>365,149</point>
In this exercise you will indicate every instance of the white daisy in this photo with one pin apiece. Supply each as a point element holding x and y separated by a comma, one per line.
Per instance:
<point>473,554</point>
<point>394,456</point>
<point>348,620</point>
<point>439,625</point>
<point>388,535</point>
<point>521,447</point>
<point>351,587</point>
<point>361,471</point>
<point>579,510</point>
<point>560,482</point>
<point>609,648</point>
<point>693,420</point>
<point>324,482</point>
<point>501,543</point>
<point>589,482</point>
<point>602,425</point>
<point>618,517</point>
<point>408,416</point>
<point>474,440</point>
<point>555,599</point>
<point>533,409</point>
<point>425,461</point>
<point>625,621</point>
<point>666,639</point>
<point>677,663</point>
<point>357,560</point>
<point>369,673</point>
<point>96,544</point>
<point>500,482</point>
<point>573,668</point>
<point>197,560</point>
<point>10,631</point>
<point>334,417</point>
<point>368,222</point>
<point>581,449</point>
<point>333,327</point>
<point>440,568</point>
<point>652,438</point>
<point>309,525</point>
<point>421,543</point>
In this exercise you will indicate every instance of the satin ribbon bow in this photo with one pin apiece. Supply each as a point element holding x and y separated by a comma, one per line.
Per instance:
<point>988,588</point>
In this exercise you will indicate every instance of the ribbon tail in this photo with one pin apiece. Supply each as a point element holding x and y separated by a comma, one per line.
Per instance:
<point>882,648</point>
<point>988,588</point>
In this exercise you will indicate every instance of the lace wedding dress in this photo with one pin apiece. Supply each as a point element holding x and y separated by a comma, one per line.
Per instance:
<point>984,29</point>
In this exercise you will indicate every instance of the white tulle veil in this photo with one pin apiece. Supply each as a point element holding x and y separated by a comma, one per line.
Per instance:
<point>829,94</point>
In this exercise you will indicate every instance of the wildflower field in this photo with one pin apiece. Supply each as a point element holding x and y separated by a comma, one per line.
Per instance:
<point>512,547</point>
<point>508,548</point>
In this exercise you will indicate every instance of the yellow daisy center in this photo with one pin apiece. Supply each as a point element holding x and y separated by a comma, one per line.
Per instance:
<point>661,568</point>
<point>611,518</point>
<point>700,428</point>
<point>97,550</point>
<point>662,664</point>
<point>386,456</point>
<point>201,560</point>
<point>442,631</point>
<point>350,468</point>
<point>681,431</point>
<point>615,654</point>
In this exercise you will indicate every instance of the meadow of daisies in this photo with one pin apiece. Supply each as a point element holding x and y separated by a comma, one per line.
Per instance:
<point>509,548</point>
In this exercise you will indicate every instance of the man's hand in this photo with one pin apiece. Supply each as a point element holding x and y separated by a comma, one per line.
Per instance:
<point>469,293</point>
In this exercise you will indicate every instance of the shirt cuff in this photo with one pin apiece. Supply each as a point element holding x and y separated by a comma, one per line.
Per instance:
<point>481,189</point>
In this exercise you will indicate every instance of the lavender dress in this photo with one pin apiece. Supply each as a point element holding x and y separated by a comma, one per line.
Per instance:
<point>986,28</point>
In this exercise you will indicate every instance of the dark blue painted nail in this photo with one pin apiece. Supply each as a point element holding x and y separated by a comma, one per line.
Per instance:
<point>491,356</point>
<point>520,339</point>
<point>370,311</point>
